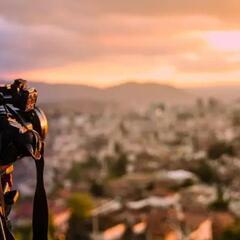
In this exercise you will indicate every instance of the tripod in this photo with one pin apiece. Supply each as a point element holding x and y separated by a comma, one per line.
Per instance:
<point>23,129</point>
<point>7,199</point>
<point>40,206</point>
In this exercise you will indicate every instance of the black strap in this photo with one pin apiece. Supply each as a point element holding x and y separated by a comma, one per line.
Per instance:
<point>5,234</point>
<point>40,205</point>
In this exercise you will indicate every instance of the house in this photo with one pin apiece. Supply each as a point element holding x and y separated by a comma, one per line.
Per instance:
<point>203,232</point>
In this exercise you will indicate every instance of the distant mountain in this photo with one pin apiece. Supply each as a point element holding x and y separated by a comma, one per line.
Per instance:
<point>51,93</point>
<point>128,95</point>
<point>124,95</point>
<point>146,93</point>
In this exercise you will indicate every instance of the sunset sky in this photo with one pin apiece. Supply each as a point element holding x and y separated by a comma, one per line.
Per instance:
<point>105,42</point>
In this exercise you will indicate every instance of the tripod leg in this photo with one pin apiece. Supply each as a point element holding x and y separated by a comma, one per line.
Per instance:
<point>2,231</point>
<point>5,233</point>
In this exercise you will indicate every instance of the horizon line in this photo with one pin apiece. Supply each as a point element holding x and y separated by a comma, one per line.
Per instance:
<point>196,85</point>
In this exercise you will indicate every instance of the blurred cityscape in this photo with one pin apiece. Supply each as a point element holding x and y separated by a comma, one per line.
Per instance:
<point>143,103</point>
<point>165,172</point>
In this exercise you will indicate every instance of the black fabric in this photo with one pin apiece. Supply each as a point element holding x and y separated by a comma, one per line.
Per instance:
<point>9,149</point>
<point>40,205</point>
<point>40,210</point>
<point>13,140</point>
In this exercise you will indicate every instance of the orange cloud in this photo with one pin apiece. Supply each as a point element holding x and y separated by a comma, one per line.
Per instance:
<point>106,42</point>
<point>223,40</point>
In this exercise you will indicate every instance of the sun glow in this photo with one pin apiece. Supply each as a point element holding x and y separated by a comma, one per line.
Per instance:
<point>223,40</point>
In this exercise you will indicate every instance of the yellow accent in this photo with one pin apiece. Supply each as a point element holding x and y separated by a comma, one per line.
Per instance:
<point>9,169</point>
<point>16,197</point>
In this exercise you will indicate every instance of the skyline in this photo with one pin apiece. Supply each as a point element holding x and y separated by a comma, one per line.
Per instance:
<point>104,44</point>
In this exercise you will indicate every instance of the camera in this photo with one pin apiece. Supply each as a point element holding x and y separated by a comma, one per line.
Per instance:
<point>23,126</point>
<point>19,95</point>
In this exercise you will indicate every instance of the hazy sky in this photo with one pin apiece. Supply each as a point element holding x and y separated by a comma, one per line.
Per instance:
<point>105,42</point>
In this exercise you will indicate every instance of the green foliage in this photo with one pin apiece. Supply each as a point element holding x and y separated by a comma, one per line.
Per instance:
<point>58,183</point>
<point>78,171</point>
<point>217,149</point>
<point>187,183</point>
<point>118,167</point>
<point>74,174</point>
<point>205,172</point>
<point>220,204</point>
<point>232,233</point>
<point>118,148</point>
<point>81,205</point>
<point>92,162</point>
<point>97,189</point>
<point>23,232</point>
<point>78,229</point>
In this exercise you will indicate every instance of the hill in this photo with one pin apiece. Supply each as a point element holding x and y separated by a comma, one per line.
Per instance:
<point>128,95</point>
<point>124,95</point>
<point>134,94</point>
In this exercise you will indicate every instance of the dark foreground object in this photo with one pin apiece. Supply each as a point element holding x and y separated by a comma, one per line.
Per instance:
<point>23,128</point>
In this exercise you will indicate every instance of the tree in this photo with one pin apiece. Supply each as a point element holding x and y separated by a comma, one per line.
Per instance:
<point>232,233</point>
<point>217,149</point>
<point>80,171</point>
<point>118,167</point>
<point>221,203</point>
<point>97,189</point>
<point>75,172</point>
<point>205,172</point>
<point>81,206</point>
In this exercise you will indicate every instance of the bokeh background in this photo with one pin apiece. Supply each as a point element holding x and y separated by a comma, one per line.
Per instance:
<point>142,99</point>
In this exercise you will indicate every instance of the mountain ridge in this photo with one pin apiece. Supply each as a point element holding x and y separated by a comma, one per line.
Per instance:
<point>127,94</point>
<point>130,94</point>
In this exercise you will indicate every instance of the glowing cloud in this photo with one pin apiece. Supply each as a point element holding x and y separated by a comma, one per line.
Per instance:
<point>106,42</point>
<point>223,40</point>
